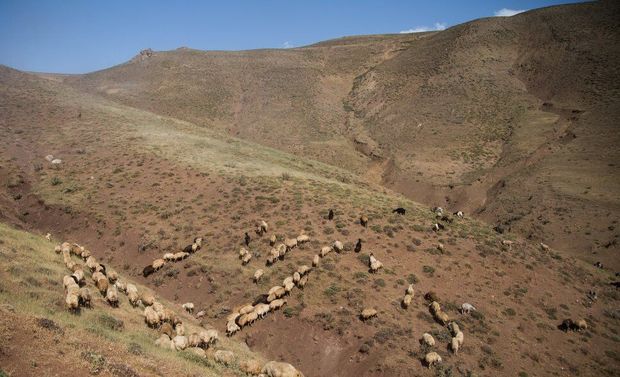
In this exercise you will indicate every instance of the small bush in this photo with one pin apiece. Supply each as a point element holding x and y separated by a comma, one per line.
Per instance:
<point>56,181</point>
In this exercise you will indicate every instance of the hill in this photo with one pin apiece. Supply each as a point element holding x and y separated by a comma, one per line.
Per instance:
<point>510,119</point>
<point>133,185</point>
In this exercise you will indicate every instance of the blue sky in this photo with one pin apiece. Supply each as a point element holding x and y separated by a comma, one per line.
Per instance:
<point>70,36</point>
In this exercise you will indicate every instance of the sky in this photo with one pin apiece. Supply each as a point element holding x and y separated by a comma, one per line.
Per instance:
<point>71,36</point>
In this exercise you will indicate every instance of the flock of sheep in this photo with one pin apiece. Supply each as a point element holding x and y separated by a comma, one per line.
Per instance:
<point>171,328</point>
<point>157,264</point>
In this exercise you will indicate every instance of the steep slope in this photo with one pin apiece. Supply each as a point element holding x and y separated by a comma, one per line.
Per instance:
<point>134,185</point>
<point>512,119</point>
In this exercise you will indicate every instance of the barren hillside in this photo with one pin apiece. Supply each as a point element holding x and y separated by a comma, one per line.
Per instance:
<point>511,119</point>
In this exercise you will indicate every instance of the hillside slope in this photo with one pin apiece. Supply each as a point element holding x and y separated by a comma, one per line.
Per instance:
<point>511,119</point>
<point>133,185</point>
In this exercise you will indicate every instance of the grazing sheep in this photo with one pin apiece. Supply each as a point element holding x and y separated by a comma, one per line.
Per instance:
<point>338,246</point>
<point>243,252</point>
<point>72,300</point>
<point>410,289</point>
<point>193,340</point>
<point>246,259</point>
<point>544,247</point>
<point>201,314</point>
<point>271,260</point>
<point>364,220</point>
<point>375,265</point>
<point>48,237</point>
<point>459,214</point>
<point>330,214</point>
<point>507,243</point>
<point>132,294</point>
<point>158,263</point>
<point>151,317</point>
<point>358,245</point>
<point>315,260</point>
<point>85,254</point>
<point>243,320</point>
<point>189,307</point>
<point>257,275</point>
<point>296,277</point>
<point>164,341</point>
<point>112,276</point>
<point>303,238</point>
<point>288,286</point>
<point>399,210</point>
<point>277,304</point>
<point>428,339</point>
<point>91,263</point>
<point>325,250</point>
<point>407,300</point>
<point>246,309</point>
<point>261,310</point>
<point>272,240</point>
<point>279,369</point>
<point>454,345</point>
<point>303,281</point>
<point>264,227</point>
<point>466,308</point>
<point>232,328</point>
<point>68,281</point>
<point>169,257</point>
<point>440,247</point>
<point>180,256</point>
<point>148,270</point>
<point>432,358</point>
<point>435,307</point>
<point>250,367</point>
<point>102,285</point>
<point>454,328</point>
<point>290,243</point>
<point>282,250</point>
<point>147,299</point>
<point>57,249</point>
<point>303,270</point>
<point>442,317</point>
<point>582,325</point>
<point>121,286</point>
<point>180,342</point>
<point>437,227</point>
<point>100,268</point>
<point>224,357</point>
<point>209,337</point>
<point>459,337</point>
<point>84,297</point>
<point>166,328</point>
<point>112,296</point>
<point>247,239</point>
<point>368,313</point>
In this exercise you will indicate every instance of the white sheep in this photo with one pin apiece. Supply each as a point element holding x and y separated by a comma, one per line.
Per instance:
<point>264,226</point>
<point>261,310</point>
<point>224,357</point>
<point>432,358</point>
<point>435,307</point>
<point>112,295</point>
<point>132,294</point>
<point>232,328</point>
<point>407,300</point>
<point>48,237</point>
<point>296,277</point>
<point>158,263</point>
<point>303,269</point>
<point>544,247</point>
<point>338,246</point>
<point>374,267</point>
<point>121,286</point>
<point>454,345</point>
<point>326,250</point>
<point>188,306</point>
<point>72,299</point>
<point>368,313</point>
<point>246,309</point>
<point>459,337</point>
<point>272,240</point>
<point>277,304</point>
<point>279,369</point>
<point>169,257</point>
<point>164,341</point>
<point>428,339</point>
<point>466,308</point>
<point>151,317</point>
<point>454,328</point>
<point>257,275</point>
<point>180,342</point>
<point>302,238</point>
<point>288,286</point>
<point>303,281</point>
<point>85,297</point>
<point>290,243</point>
<point>410,290</point>
<point>243,252</point>
<point>209,337</point>
<point>315,260</point>
<point>246,259</point>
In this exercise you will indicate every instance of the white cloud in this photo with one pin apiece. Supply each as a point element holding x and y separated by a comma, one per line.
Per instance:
<point>505,12</point>
<point>287,44</point>
<point>420,29</point>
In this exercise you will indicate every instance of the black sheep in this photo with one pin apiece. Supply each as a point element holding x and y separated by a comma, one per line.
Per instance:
<point>247,239</point>
<point>148,270</point>
<point>399,210</point>
<point>189,249</point>
<point>330,215</point>
<point>358,245</point>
